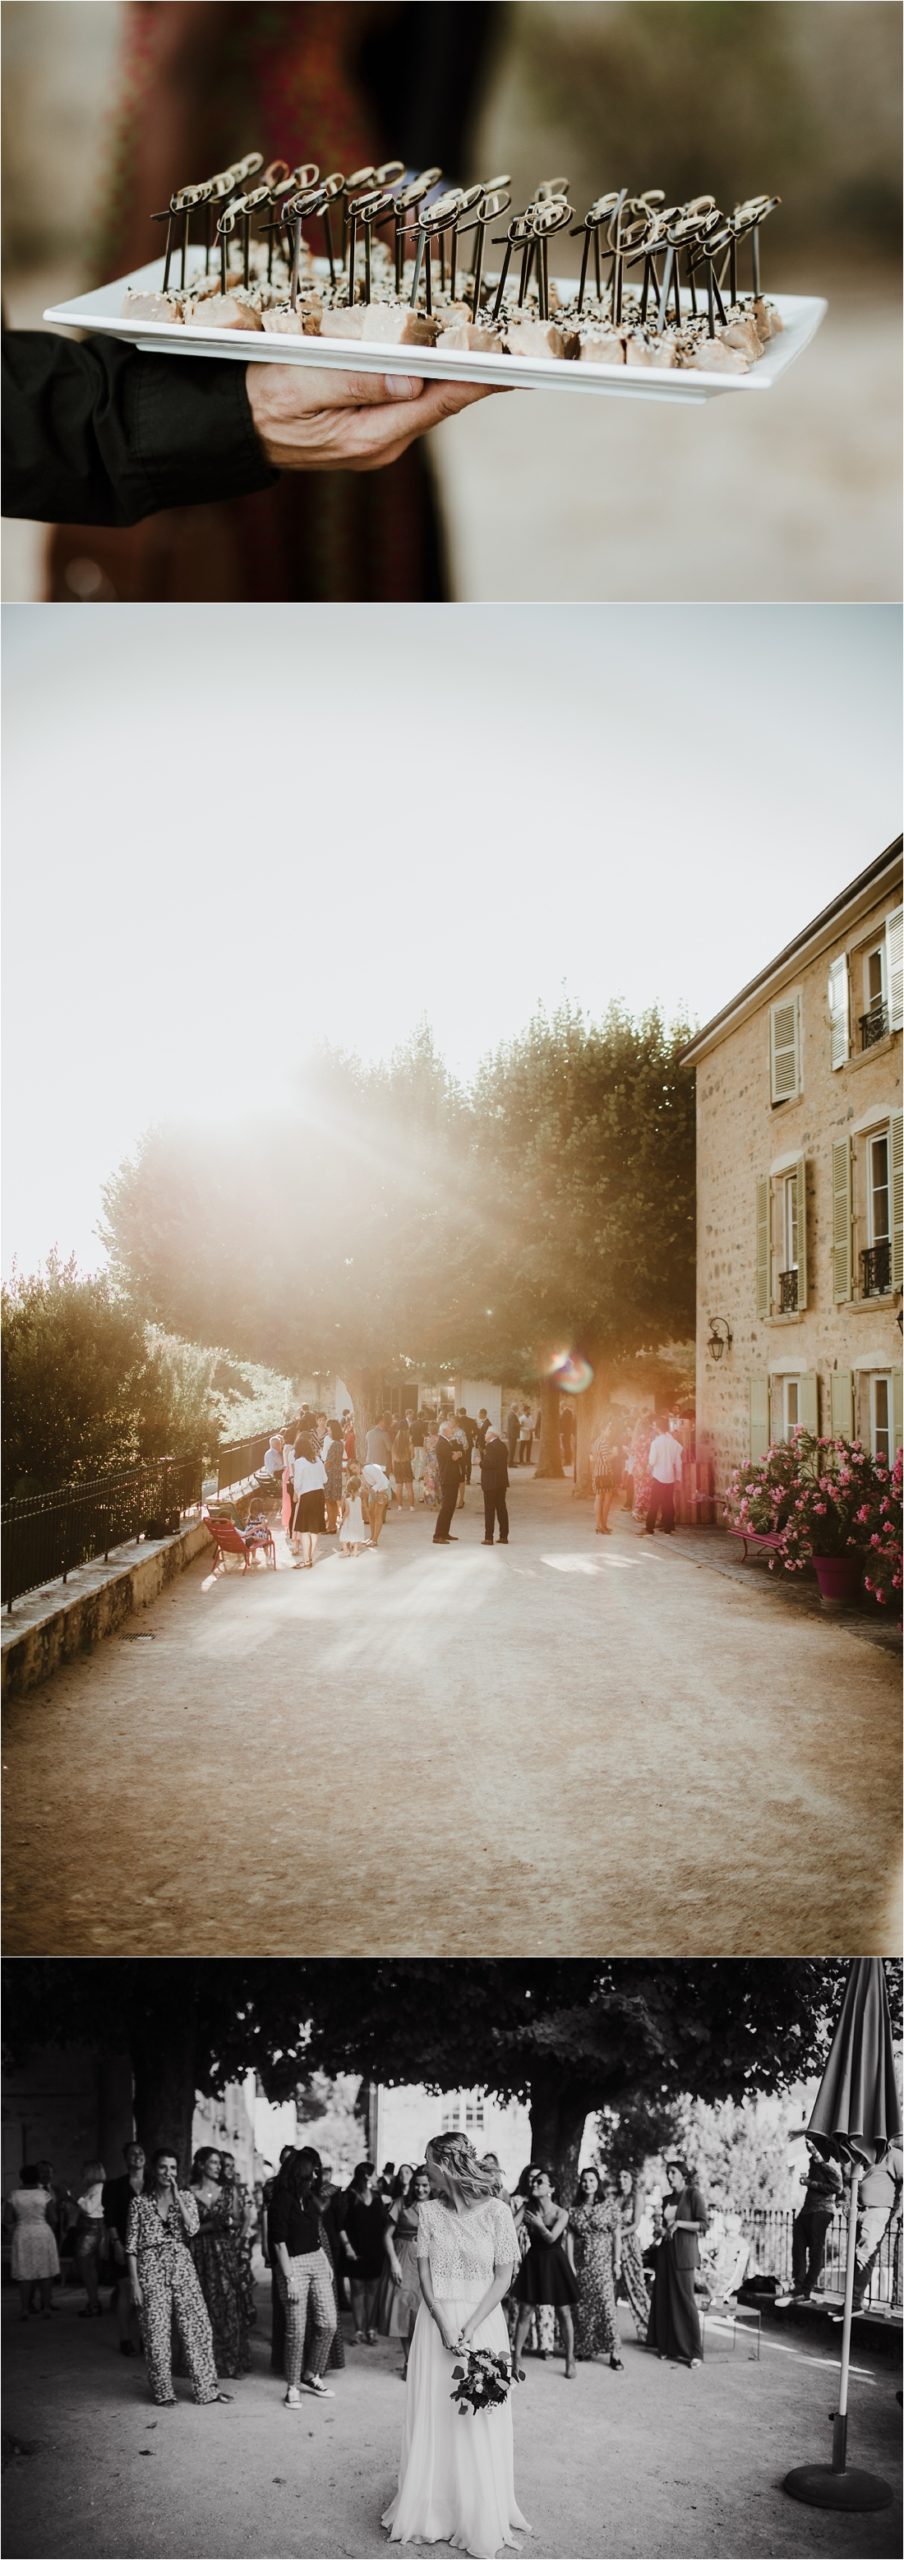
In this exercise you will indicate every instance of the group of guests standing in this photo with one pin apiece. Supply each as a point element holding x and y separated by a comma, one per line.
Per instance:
<point>179,2260</point>
<point>329,1488</point>
<point>644,1467</point>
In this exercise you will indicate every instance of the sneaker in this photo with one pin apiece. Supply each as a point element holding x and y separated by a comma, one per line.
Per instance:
<point>293,2398</point>
<point>318,2390</point>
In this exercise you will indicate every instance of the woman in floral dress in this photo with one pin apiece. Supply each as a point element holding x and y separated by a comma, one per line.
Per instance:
<point>632,2266</point>
<point>241,2216</point>
<point>594,2237</point>
<point>216,2251</point>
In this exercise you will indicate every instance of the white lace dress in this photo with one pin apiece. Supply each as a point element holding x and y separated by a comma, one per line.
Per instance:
<point>456,2473</point>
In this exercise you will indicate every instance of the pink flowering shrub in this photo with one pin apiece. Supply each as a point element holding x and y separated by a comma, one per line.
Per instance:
<point>881,1532</point>
<point>824,1498</point>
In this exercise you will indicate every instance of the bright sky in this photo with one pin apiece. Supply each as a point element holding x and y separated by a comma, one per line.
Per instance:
<point>230,834</point>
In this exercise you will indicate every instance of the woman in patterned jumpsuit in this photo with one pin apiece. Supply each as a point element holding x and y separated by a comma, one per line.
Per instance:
<point>165,2286</point>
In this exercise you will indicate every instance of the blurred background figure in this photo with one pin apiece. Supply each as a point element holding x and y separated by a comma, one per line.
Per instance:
<point>790,496</point>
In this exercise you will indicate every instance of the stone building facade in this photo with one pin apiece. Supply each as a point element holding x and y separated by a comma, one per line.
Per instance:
<point>799,1187</point>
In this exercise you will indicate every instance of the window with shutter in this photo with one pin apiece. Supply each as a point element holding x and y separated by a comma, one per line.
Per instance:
<point>894,969</point>
<point>808,1400</point>
<point>896,1133</point>
<point>841,1219</point>
<point>763,1251</point>
<point>759,1417</point>
<point>841,1404</point>
<point>839,1010</point>
<point>784,1034</point>
<point>800,1180</point>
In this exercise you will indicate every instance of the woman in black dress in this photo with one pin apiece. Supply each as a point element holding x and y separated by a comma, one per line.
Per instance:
<point>674,2329</point>
<point>544,2275</point>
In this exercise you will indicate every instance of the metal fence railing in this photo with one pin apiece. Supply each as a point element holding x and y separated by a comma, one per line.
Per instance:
<point>239,1459</point>
<point>45,1536</point>
<point>770,2236</point>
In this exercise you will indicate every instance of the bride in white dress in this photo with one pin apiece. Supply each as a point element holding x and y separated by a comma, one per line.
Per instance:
<point>456,2473</point>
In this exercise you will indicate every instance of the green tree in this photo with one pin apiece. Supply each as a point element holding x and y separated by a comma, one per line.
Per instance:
<point>567,2037</point>
<point>586,1134</point>
<point>86,1387</point>
<point>340,1237</point>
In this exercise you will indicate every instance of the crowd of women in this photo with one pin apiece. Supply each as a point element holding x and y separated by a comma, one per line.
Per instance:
<point>178,2260</point>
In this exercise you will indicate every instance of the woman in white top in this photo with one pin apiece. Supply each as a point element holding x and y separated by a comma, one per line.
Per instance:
<point>309,1516</point>
<point>33,2258</point>
<point>456,2474</point>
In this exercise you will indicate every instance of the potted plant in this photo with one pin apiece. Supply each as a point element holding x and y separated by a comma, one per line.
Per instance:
<point>819,1494</point>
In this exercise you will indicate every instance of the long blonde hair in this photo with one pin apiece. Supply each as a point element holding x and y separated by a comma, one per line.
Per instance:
<point>462,2177</point>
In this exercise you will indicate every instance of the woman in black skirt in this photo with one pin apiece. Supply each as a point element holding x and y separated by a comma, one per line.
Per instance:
<point>674,2329</point>
<point>544,2275</point>
<point>309,1517</point>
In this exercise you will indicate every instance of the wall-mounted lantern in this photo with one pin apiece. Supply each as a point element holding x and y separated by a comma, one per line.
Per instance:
<point>719,1337</point>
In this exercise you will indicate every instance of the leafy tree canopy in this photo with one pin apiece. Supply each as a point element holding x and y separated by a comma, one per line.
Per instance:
<point>390,1216</point>
<point>88,1386</point>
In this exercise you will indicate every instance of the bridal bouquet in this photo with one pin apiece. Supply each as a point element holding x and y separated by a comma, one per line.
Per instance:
<point>483,2381</point>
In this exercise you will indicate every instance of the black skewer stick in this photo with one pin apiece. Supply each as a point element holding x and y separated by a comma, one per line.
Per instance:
<point>503,277</point>
<point>666,282</point>
<point>477,268</point>
<point>526,265</point>
<point>418,263</point>
<point>649,272</point>
<point>585,261</point>
<point>598,264</point>
<point>183,272</point>
<point>222,262</point>
<point>676,297</point>
<point>710,307</point>
<point>296,263</point>
<point>352,245</point>
<point>168,252</point>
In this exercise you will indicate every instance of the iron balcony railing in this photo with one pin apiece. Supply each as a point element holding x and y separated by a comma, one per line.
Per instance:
<point>875,1269</point>
<point>770,2236</point>
<point>787,1293</point>
<point>874,1024</point>
<point>46,1536</point>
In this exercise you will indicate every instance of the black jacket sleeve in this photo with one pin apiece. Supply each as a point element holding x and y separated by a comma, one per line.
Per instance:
<point>95,433</point>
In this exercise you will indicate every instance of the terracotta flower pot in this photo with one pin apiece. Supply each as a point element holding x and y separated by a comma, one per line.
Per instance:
<point>838,1578</point>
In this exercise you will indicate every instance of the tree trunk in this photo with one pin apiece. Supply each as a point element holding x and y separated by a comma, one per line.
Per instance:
<point>164,2067</point>
<point>589,1415</point>
<point>557,2120</point>
<point>549,1461</point>
<point>364,1388</point>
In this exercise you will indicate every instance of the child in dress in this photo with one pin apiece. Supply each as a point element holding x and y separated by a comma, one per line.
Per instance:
<point>352,1525</point>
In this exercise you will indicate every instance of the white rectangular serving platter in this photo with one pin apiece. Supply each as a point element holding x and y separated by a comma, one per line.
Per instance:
<point>101,312</point>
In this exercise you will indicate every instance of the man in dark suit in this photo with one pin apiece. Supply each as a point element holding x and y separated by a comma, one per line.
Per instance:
<point>450,1467</point>
<point>494,1476</point>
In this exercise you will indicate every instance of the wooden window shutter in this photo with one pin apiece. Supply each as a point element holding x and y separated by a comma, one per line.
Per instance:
<point>784,1033</point>
<point>899,1410</point>
<point>841,1219</point>
<point>894,969</point>
<point>763,1250</point>
<point>841,1404</point>
<point>800,1177</point>
<point>808,1400</point>
<point>759,1417</point>
<point>839,1010</point>
<point>896,1153</point>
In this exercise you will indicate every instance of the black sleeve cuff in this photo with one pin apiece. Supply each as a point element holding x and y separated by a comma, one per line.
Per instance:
<point>193,435</point>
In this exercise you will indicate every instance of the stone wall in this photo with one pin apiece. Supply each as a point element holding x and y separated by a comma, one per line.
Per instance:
<point>743,1137</point>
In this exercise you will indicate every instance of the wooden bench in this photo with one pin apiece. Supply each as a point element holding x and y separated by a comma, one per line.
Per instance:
<point>765,1540</point>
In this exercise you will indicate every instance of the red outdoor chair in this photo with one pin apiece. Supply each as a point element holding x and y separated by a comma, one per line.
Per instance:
<point>231,1541</point>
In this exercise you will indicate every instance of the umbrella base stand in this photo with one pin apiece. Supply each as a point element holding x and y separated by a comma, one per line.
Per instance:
<point>851,2492</point>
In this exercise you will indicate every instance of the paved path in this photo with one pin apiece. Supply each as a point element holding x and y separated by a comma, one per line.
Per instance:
<point>572,1744</point>
<point>653,2461</point>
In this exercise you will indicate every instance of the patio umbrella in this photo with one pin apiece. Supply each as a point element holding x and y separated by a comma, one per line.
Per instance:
<point>856,2117</point>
